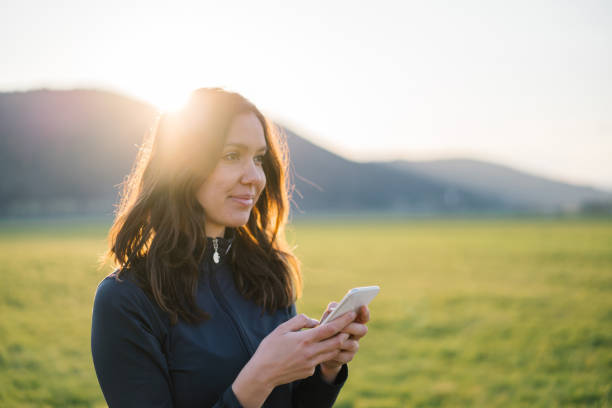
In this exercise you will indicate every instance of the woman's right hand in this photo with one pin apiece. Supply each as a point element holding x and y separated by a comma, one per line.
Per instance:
<point>288,354</point>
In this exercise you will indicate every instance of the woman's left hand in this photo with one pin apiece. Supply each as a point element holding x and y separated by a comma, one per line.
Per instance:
<point>355,331</point>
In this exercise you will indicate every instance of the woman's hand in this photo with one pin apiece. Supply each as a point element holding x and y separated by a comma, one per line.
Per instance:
<point>356,330</point>
<point>288,354</point>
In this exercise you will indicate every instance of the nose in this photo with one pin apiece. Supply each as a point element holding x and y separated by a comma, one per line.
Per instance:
<point>252,174</point>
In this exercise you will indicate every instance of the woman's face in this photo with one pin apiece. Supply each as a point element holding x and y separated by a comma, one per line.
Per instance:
<point>229,193</point>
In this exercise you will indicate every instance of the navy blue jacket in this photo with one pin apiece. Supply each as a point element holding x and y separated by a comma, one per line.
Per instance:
<point>143,361</point>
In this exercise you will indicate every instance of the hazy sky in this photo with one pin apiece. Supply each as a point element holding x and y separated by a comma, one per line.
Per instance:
<point>522,83</point>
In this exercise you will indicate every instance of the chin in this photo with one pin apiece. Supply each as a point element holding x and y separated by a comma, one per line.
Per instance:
<point>238,221</point>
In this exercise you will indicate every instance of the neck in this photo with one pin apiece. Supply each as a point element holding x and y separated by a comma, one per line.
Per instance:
<point>215,232</point>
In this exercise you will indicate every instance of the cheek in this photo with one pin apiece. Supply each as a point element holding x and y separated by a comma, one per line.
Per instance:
<point>201,195</point>
<point>262,182</point>
<point>216,181</point>
<point>216,188</point>
<point>208,194</point>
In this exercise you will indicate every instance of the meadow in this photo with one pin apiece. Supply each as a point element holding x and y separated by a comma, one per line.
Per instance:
<point>472,312</point>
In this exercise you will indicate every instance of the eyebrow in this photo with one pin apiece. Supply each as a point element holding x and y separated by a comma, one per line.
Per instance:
<point>245,147</point>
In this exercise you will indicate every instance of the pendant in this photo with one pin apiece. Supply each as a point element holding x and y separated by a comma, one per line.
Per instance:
<point>216,254</point>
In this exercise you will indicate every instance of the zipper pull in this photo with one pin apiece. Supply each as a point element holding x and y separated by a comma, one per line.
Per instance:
<point>216,254</point>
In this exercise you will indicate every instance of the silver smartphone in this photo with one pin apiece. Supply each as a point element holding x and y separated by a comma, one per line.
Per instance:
<point>352,301</point>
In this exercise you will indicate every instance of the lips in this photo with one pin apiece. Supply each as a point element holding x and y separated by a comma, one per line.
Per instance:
<point>243,200</point>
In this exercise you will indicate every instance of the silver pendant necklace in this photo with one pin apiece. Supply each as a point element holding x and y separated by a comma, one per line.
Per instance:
<point>216,253</point>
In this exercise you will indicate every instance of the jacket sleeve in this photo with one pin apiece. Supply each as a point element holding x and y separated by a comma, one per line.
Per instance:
<point>126,344</point>
<point>313,391</point>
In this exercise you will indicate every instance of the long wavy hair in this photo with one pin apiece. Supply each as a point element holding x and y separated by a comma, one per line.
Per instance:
<point>158,232</point>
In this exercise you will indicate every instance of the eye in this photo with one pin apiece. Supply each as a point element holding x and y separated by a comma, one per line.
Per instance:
<point>260,158</point>
<point>231,156</point>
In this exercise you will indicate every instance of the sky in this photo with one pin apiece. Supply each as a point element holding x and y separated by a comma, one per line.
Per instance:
<point>526,84</point>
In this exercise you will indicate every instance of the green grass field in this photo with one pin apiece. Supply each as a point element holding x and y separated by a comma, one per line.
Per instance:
<point>487,313</point>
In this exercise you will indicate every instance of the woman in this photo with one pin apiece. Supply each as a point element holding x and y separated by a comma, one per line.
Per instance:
<point>201,309</point>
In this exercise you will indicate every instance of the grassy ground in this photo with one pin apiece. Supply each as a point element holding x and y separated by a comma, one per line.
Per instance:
<point>471,312</point>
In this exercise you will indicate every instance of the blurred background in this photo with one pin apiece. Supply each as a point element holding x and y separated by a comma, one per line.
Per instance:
<point>458,154</point>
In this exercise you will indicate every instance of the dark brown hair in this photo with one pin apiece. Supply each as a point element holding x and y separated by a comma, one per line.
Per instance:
<point>158,232</point>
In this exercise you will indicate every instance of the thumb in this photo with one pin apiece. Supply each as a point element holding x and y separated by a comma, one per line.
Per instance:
<point>330,307</point>
<point>297,322</point>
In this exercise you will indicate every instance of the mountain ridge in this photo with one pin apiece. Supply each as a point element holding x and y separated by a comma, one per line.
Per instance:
<point>513,185</point>
<point>67,151</point>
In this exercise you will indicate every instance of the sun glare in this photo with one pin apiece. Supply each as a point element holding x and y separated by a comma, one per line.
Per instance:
<point>169,101</point>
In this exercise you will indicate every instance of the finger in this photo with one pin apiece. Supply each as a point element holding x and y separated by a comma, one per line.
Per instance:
<point>329,356</point>
<point>296,323</point>
<point>344,357</point>
<point>330,307</point>
<point>328,330</point>
<point>335,343</point>
<point>356,330</point>
<point>363,315</point>
<point>350,345</point>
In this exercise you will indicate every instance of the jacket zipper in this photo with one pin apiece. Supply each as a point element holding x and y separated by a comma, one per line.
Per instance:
<point>221,300</point>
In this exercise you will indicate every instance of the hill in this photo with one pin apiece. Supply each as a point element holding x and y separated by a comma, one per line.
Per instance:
<point>66,152</point>
<point>516,187</point>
